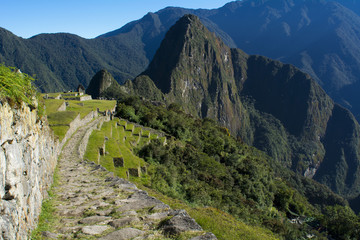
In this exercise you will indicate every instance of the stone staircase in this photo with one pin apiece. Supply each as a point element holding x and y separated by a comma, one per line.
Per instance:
<point>93,204</point>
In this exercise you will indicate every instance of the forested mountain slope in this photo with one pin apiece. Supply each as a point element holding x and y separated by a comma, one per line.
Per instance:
<point>270,105</point>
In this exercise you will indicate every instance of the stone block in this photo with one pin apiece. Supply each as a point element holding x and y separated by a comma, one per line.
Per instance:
<point>135,172</point>
<point>118,162</point>
<point>94,230</point>
<point>181,222</point>
<point>62,107</point>
<point>85,98</point>
<point>118,223</point>
<point>206,236</point>
<point>102,151</point>
<point>122,234</point>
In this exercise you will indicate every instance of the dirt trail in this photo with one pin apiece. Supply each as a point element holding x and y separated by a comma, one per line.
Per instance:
<point>92,204</point>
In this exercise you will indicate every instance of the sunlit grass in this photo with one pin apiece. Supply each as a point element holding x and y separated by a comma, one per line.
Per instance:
<point>145,133</point>
<point>47,219</point>
<point>143,141</point>
<point>137,131</point>
<point>153,136</point>
<point>60,131</point>
<point>107,129</point>
<point>223,225</point>
<point>96,140</point>
<point>52,105</point>
<point>115,146</point>
<point>82,107</point>
<point>16,87</point>
<point>85,107</point>
<point>60,121</point>
<point>130,127</point>
<point>123,122</point>
<point>61,118</point>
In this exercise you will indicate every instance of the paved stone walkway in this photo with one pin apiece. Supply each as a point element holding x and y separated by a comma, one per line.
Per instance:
<point>92,204</point>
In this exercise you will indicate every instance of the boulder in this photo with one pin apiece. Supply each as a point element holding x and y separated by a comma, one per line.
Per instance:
<point>123,234</point>
<point>181,222</point>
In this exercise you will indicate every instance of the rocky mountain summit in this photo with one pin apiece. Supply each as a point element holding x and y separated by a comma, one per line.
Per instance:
<point>270,105</point>
<point>102,81</point>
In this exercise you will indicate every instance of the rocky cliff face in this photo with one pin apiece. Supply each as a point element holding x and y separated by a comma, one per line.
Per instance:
<point>340,168</point>
<point>270,105</point>
<point>198,73</point>
<point>28,156</point>
<point>101,82</point>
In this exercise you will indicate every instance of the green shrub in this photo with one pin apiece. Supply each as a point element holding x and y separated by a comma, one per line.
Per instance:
<point>342,222</point>
<point>16,87</point>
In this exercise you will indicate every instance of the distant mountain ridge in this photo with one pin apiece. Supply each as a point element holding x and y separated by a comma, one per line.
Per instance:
<point>270,105</point>
<point>62,61</point>
<point>320,37</point>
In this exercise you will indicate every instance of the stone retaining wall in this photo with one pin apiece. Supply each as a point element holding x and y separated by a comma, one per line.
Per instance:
<point>28,156</point>
<point>85,140</point>
<point>75,124</point>
<point>62,107</point>
<point>151,130</point>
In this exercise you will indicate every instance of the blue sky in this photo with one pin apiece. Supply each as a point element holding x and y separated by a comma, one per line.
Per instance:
<point>86,18</point>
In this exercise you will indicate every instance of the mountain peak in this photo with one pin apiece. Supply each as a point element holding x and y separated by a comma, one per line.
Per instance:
<point>195,66</point>
<point>100,83</point>
<point>188,22</point>
<point>189,19</point>
<point>187,44</point>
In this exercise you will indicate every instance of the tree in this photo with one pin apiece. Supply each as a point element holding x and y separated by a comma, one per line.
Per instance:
<point>342,222</point>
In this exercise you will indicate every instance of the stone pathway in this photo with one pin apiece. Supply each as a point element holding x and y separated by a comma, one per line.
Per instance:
<point>93,204</point>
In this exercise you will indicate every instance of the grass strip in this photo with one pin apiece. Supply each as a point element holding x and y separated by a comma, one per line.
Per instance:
<point>47,219</point>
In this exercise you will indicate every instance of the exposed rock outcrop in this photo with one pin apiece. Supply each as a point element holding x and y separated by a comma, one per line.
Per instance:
<point>28,156</point>
<point>101,82</point>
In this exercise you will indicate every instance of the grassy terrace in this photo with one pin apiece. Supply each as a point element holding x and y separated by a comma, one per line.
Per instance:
<point>145,133</point>
<point>137,131</point>
<point>52,95</point>
<point>120,143</point>
<point>60,121</point>
<point>52,105</point>
<point>71,96</point>
<point>130,127</point>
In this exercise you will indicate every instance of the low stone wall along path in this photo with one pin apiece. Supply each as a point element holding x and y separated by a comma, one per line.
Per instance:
<point>93,204</point>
